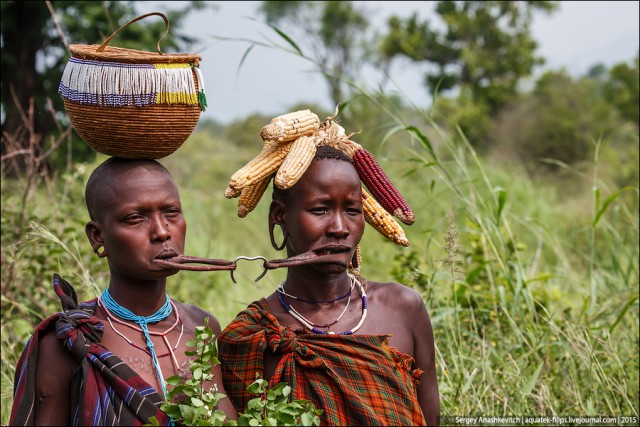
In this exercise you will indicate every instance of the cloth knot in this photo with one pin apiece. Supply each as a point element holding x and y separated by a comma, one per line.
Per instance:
<point>78,330</point>
<point>283,340</point>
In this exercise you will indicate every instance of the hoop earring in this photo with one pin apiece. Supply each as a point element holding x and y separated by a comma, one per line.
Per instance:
<point>356,260</point>
<point>273,240</point>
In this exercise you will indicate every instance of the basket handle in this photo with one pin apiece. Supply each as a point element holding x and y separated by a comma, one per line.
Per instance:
<point>166,21</point>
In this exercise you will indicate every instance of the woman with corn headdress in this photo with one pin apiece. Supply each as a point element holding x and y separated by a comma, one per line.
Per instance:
<point>362,351</point>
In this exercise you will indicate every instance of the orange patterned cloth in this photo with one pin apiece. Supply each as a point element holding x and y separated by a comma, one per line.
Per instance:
<point>354,379</point>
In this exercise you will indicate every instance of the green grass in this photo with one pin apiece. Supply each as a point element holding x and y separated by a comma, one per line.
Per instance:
<point>533,298</point>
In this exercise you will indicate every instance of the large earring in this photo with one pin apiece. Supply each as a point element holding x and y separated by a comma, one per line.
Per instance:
<point>356,261</point>
<point>273,240</point>
<point>97,251</point>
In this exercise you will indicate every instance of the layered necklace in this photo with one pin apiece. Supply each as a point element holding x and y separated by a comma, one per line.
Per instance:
<point>118,313</point>
<point>312,326</point>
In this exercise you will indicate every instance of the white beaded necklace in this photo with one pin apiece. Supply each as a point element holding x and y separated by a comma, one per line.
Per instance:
<point>309,325</point>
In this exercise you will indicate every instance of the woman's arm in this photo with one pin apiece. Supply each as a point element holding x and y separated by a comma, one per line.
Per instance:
<point>425,358</point>
<point>54,373</point>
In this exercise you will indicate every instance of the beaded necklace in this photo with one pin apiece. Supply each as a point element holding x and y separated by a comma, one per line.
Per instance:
<point>313,328</point>
<point>164,334</point>
<point>124,313</point>
<point>281,290</point>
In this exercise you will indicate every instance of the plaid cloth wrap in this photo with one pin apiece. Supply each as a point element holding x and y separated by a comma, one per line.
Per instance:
<point>355,379</point>
<point>105,390</point>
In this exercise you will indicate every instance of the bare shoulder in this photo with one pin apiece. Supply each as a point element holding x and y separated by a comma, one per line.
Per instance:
<point>193,316</point>
<point>56,355</point>
<point>394,294</point>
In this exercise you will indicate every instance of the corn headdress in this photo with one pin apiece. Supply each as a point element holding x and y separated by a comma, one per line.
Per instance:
<point>290,143</point>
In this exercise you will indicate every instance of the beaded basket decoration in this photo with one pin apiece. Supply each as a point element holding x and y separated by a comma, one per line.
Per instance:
<point>131,103</point>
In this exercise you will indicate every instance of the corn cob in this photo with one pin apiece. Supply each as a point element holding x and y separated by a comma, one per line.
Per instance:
<point>261,166</point>
<point>381,187</point>
<point>296,163</point>
<point>231,193</point>
<point>291,126</point>
<point>358,256</point>
<point>377,217</point>
<point>251,195</point>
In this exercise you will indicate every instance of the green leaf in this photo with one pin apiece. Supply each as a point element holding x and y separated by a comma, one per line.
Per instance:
<point>196,402</point>
<point>173,411</point>
<point>607,202</point>
<point>197,374</point>
<point>502,197</point>
<point>306,418</point>
<point>624,310</point>
<point>287,38</point>
<point>153,421</point>
<point>173,380</point>
<point>425,141</point>
<point>186,411</point>
<point>342,107</point>
<point>286,390</point>
<point>532,381</point>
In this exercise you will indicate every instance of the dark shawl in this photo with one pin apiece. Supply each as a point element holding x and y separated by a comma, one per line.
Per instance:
<point>105,390</point>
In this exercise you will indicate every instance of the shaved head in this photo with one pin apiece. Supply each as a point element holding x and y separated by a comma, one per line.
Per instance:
<point>101,179</point>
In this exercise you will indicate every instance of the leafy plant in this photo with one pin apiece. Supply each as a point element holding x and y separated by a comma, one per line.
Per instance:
<point>193,402</point>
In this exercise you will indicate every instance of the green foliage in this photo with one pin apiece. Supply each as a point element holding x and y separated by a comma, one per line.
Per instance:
<point>193,403</point>
<point>622,91</point>
<point>559,120</point>
<point>272,407</point>
<point>477,32</point>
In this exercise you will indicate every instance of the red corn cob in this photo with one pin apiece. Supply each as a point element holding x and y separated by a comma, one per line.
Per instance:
<point>381,187</point>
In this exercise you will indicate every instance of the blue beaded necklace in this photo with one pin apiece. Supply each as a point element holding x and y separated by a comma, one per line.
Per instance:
<point>143,321</point>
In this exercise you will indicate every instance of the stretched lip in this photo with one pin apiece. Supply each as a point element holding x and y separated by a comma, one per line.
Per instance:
<point>332,249</point>
<point>166,254</point>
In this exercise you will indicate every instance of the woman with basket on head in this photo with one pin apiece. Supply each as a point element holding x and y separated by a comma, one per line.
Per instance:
<point>361,351</point>
<point>105,361</point>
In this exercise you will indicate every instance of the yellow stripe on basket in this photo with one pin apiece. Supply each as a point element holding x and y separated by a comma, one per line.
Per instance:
<point>177,98</point>
<point>172,65</point>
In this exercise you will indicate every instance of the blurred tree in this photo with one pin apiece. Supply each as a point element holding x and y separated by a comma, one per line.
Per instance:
<point>621,89</point>
<point>478,33</point>
<point>246,132</point>
<point>484,50</point>
<point>34,54</point>
<point>560,119</point>
<point>334,31</point>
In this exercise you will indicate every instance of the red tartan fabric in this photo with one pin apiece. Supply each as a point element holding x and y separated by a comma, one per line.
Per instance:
<point>355,379</point>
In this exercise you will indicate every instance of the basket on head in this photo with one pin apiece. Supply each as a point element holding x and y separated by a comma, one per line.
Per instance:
<point>131,103</point>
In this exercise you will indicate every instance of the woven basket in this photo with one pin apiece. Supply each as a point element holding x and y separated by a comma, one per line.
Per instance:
<point>131,103</point>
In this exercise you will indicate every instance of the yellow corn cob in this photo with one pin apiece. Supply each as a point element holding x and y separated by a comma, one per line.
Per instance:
<point>261,166</point>
<point>380,219</point>
<point>296,163</point>
<point>231,193</point>
<point>358,260</point>
<point>291,126</point>
<point>251,195</point>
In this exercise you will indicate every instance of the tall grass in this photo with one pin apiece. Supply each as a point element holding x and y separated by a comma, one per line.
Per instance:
<point>533,297</point>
